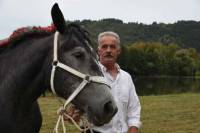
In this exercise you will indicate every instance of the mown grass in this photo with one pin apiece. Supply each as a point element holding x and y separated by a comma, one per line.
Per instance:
<point>177,113</point>
<point>49,106</point>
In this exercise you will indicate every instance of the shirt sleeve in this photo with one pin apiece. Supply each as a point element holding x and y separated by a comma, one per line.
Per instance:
<point>134,107</point>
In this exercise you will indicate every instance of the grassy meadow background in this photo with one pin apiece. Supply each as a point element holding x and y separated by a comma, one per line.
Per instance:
<point>176,113</point>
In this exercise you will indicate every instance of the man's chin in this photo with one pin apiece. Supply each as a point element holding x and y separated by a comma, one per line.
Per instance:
<point>109,61</point>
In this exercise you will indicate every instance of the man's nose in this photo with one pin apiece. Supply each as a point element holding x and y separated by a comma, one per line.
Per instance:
<point>108,49</point>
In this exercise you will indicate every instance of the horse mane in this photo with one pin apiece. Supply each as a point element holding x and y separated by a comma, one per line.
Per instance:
<point>28,32</point>
<point>25,32</point>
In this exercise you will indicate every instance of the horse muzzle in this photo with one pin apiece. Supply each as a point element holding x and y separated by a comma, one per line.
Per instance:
<point>102,113</point>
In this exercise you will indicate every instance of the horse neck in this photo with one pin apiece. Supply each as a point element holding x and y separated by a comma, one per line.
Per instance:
<point>22,77</point>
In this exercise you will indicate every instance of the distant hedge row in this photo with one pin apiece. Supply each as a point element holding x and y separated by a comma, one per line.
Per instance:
<point>144,58</point>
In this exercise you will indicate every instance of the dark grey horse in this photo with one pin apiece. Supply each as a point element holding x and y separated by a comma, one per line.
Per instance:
<point>25,71</point>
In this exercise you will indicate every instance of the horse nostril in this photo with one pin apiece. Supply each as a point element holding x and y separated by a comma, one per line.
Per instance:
<point>109,108</point>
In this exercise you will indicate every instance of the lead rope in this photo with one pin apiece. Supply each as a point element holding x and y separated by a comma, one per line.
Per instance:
<point>86,79</point>
<point>62,111</point>
<point>85,124</point>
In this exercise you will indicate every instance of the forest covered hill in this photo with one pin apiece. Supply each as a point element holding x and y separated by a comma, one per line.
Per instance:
<point>184,33</point>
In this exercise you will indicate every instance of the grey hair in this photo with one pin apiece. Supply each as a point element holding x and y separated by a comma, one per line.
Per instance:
<point>109,33</point>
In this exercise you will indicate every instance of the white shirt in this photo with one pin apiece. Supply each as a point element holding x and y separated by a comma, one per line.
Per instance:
<point>123,91</point>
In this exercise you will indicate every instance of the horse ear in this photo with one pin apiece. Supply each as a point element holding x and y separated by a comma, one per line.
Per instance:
<point>58,18</point>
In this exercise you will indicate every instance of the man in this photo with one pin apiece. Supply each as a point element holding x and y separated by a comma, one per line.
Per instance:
<point>122,87</point>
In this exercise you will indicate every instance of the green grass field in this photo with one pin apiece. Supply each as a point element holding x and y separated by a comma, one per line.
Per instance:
<point>177,113</point>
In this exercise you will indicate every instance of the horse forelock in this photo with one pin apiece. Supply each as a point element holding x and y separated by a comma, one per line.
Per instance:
<point>82,35</point>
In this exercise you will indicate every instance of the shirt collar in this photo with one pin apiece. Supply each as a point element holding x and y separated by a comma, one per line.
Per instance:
<point>103,68</point>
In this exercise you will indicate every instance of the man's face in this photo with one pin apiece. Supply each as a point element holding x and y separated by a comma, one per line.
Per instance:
<point>108,50</point>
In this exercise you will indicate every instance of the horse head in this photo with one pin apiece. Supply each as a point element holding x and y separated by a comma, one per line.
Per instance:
<point>75,66</point>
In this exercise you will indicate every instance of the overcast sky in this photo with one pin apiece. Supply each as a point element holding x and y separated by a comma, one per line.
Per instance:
<point>20,13</point>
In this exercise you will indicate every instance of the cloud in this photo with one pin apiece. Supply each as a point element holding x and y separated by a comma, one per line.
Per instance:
<point>15,13</point>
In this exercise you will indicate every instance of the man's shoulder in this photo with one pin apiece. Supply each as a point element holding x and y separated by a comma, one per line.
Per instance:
<point>125,73</point>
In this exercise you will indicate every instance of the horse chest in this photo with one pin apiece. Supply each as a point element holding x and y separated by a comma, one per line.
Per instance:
<point>26,122</point>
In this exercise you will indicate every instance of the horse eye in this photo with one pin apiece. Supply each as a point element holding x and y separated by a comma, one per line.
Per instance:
<point>78,55</point>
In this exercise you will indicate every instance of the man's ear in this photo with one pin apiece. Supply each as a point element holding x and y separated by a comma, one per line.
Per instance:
<point>119,51</point>
<point>98,51</point>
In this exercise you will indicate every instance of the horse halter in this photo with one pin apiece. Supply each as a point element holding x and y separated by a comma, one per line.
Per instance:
<point>86,78</point>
